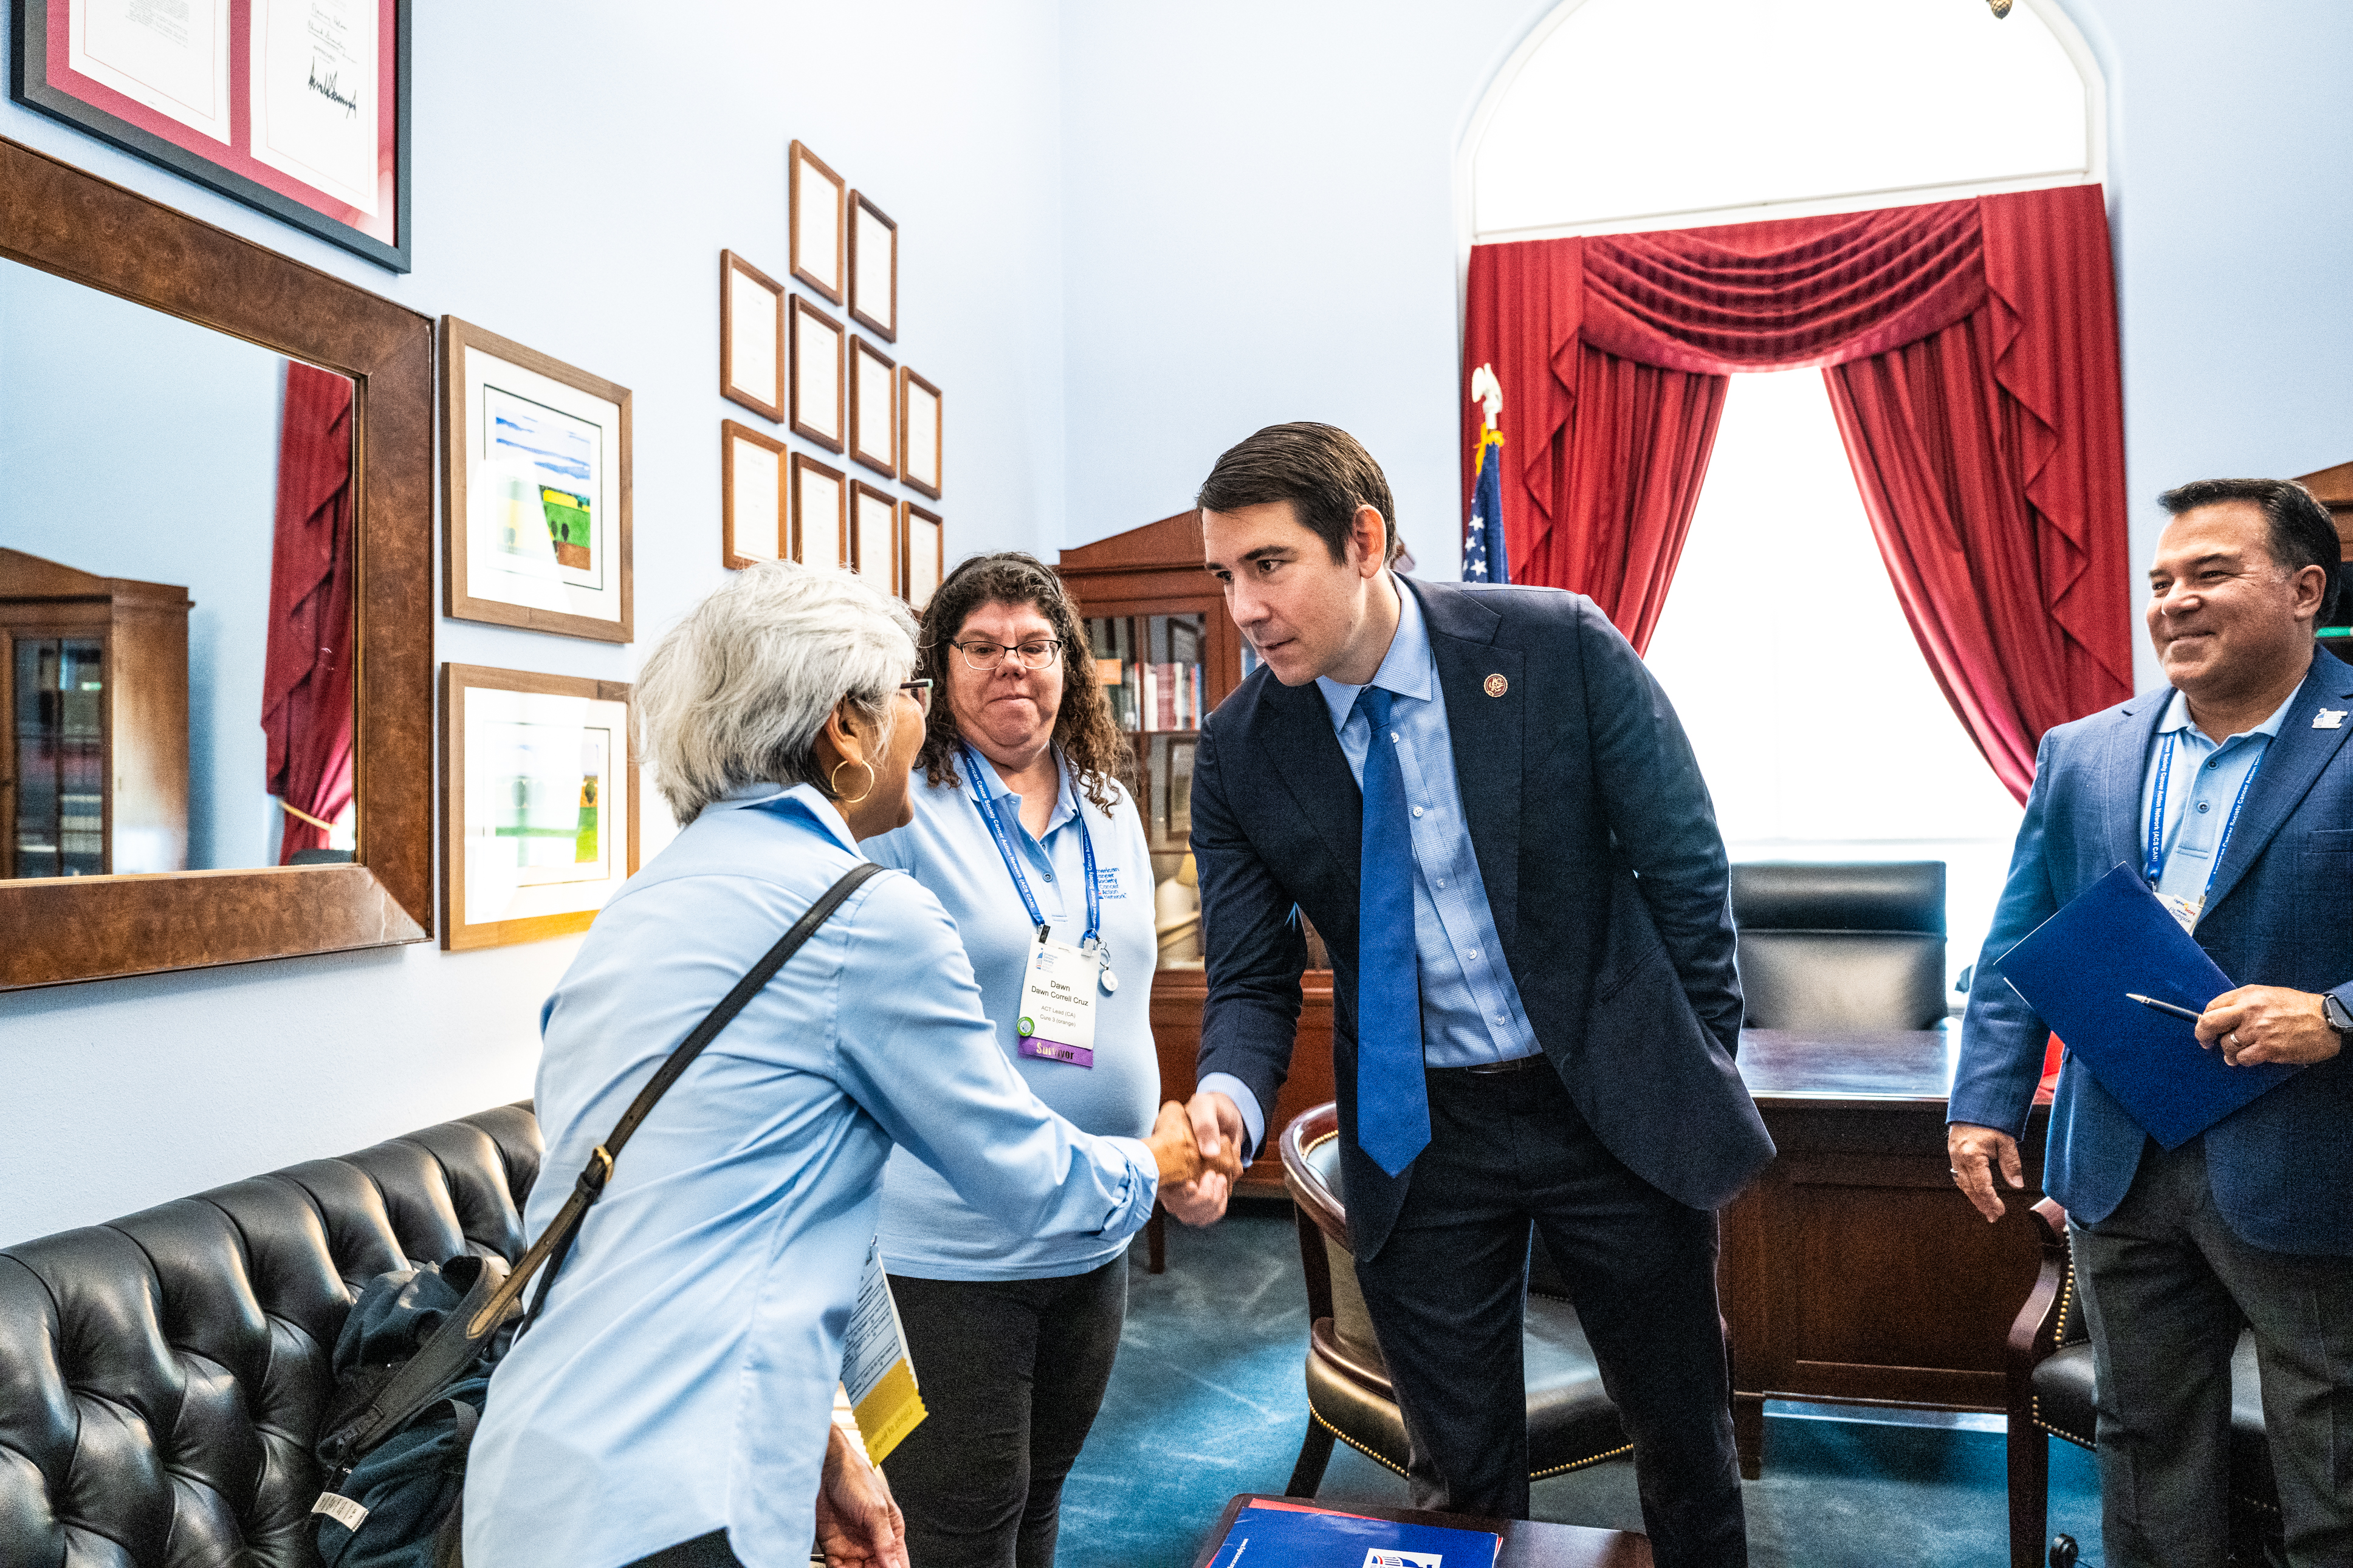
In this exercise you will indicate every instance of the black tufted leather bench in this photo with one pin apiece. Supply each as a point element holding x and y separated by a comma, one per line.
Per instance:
<point>162,1377</point>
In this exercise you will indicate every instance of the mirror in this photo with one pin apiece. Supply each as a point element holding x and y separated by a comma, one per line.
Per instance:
<point>158,379</point>
<point>174,608</point>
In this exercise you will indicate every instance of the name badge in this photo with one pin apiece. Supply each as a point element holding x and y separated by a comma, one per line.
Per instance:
<point>1058,1004</point>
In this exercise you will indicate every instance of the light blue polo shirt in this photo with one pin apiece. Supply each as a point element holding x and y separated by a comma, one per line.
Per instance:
<point>928,1232</point>
<point>2202,783</point>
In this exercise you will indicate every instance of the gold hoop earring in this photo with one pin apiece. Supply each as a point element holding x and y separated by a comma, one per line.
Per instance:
<point>833,781</point>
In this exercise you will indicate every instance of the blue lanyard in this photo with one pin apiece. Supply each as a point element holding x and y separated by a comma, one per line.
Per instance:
<point>2152,872</point>
<point>998,831</point>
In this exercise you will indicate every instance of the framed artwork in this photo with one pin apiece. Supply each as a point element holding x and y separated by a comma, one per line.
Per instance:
<point>920,444</point>
<point>756,525</point>
<point>814,196</point>
<point>297,107</point>
<point>820,513</point>
<point>923,554</point>
<point>873,408</point>
<point>539,807</point>
<point>874,535</point>
<point>818,347</point>
<point>873,267</point>
<point>534,489</point>
<point>751,337</point>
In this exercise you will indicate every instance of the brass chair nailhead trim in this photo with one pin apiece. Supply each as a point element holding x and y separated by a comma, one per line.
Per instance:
<point>1317,1417</point>
<point>1580,1464</point>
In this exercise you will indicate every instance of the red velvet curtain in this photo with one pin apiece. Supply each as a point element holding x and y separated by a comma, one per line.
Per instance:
<point>306,683</point>
<point>1972,352</point>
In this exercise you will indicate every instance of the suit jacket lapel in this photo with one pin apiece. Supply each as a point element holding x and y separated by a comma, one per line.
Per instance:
<point>2122,769</point>
<point>2290,765</point>
<point>1308,756</point>
<point>1485,732</point>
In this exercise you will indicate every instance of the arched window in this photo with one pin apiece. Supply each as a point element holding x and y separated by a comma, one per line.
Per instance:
<point>1618,115</point>
<point>1822,733</point>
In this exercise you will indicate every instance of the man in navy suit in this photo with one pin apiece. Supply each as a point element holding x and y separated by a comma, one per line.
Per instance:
<point>1485,803</point>
<point>2233,794</point>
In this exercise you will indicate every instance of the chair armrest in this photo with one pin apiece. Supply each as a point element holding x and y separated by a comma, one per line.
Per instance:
<point>2035,1333</point>
<point>1315,1207</point>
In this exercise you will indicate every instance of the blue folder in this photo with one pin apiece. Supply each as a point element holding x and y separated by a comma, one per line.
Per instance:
<point>2074,970</point>
<point>1300,1538</point>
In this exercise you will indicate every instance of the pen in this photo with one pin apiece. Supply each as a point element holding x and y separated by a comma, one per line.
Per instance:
<point>2150,1002</point>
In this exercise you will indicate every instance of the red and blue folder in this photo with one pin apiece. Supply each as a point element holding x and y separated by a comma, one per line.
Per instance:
<point>1292,1535</point>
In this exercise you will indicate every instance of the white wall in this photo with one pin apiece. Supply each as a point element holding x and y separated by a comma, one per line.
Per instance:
<point>658,145</point>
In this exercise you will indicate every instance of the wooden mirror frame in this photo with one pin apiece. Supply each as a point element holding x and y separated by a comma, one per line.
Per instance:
<point>74,226</point>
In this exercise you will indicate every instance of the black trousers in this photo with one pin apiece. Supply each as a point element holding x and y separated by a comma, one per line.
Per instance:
<point>1012,1372</point>
<point>1448,1288</point>
<point>710,1551</point>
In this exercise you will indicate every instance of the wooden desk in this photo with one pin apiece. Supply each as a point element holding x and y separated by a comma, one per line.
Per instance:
<point>1525,1545</point>
<point>1853,1271</point>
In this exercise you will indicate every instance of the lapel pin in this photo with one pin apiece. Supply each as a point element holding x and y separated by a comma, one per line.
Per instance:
<point>2326,719</point>
<point>1497,685</point>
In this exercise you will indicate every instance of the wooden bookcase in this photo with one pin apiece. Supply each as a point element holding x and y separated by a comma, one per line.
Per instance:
<point>94,683</point>
<point>1166,653</point>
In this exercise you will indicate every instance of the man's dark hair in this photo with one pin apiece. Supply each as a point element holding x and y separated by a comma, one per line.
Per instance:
<point>1321,470</point>
<point>2302,532</point>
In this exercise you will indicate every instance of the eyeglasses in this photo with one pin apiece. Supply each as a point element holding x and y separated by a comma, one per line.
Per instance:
<point>921,692</point>
<point>985,655</point>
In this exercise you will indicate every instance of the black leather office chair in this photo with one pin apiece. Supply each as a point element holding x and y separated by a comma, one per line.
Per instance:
<point>1841,948</point>
<point>2051,1395</point>
<point>1571,1423</point>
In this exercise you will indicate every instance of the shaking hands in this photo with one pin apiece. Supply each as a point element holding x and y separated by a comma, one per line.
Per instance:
<point>1187,1160</point>
<point>1219,1132</point>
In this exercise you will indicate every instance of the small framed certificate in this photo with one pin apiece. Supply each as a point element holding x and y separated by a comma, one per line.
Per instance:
<point>821,513</point>
<point>920,445</point>
<point>873,408</point>
<point>873,267</point>
<point>751,337</point>
<point>923,554</point>
<point>755,524</point>
<point>874,535</point>
<point>814,194</point>
<point>816,360</point>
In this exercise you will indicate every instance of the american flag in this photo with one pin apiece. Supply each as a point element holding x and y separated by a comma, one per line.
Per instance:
<point>1485,557</point>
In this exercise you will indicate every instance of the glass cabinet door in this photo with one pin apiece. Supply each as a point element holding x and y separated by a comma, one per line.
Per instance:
<point>57,737</point>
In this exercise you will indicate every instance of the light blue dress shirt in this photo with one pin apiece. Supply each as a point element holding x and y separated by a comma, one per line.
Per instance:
<point>683,1377</point>
<point>928,1231</point>
<point>1471,1011</point>
<point>2201,784</point>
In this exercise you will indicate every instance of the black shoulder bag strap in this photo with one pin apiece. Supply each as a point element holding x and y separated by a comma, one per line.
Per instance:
<point>461,1338</point>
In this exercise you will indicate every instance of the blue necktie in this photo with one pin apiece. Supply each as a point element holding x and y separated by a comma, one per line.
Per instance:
<point>1392,1101</point>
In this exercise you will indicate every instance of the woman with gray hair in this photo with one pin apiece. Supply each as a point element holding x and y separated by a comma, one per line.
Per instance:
<point>671,1405</point>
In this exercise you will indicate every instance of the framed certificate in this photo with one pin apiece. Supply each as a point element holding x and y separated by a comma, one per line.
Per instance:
<point>874,535</point>
<point>820,513</point>
<point>539,808</point>
<point>751,337</point>
<point>923,554</point>
<point>873,408</point>
<point>815,195</point>
<point>921,446</point>
<point>297,107</point>
<point>873,267</point>
<point>817,351</point>
<point>534,489</point>
<point>756,525</point>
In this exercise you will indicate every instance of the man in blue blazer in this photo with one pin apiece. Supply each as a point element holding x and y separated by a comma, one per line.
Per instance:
<point>1485,805</point>
<point>2233,794</point>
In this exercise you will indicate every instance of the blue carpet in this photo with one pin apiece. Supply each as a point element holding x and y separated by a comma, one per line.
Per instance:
<point>1207,1400</point>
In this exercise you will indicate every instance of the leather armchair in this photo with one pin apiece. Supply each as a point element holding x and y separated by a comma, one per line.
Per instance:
<point>1841,948</point>
<point>2052,1394</point>
<point>1571,1423</point>
<point>162,1377</point>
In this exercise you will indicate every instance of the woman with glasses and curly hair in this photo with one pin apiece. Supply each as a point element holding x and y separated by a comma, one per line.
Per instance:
<point>1024,831</point>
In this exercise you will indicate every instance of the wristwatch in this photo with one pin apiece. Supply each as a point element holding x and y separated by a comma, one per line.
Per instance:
<point>2338,1017</point>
